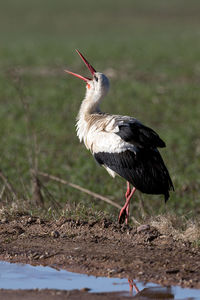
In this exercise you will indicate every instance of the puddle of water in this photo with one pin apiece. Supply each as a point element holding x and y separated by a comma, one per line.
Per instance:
<point>20,276</point>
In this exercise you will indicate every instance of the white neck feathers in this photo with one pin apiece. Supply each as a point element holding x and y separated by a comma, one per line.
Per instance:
<point>88,107</point>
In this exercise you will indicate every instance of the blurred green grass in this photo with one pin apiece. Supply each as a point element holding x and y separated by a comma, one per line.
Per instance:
<point>150,50</point>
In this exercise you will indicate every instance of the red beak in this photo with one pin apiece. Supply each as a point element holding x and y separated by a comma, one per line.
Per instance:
<point>92,70</point>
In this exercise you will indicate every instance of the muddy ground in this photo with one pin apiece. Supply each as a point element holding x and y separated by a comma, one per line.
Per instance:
<point>99,248</point>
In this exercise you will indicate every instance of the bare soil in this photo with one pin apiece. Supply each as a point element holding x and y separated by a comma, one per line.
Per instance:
<point>99,248</point>
<point>61,295</point>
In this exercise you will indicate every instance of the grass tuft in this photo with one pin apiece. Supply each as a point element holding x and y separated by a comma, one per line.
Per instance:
<point>178,227</point>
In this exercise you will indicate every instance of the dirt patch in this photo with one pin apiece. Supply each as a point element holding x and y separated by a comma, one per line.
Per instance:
<point>101,248</point>
<point>61,295</point>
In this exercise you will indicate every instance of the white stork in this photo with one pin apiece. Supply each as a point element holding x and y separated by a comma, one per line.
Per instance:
<point>121,144</point>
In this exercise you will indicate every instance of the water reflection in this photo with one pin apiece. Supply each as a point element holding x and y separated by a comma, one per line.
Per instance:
<point>17,276</point>
<point>156,293</point>
<point>150,293</point>
<point>132,285</point>
<point>159,293</point>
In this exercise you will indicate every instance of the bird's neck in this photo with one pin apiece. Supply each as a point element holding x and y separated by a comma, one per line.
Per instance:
<point>90,105</point>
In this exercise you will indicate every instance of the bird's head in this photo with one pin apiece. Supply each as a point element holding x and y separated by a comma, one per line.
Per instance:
<point>98,85</point>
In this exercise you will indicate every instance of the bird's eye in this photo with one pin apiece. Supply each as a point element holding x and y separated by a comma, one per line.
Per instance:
<point>96,78</point>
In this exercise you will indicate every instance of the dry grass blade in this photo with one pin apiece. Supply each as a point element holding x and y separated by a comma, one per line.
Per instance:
<point>53,201</point>
<point>2,192</point>
<point>8,185</point>
<point>75,186</point>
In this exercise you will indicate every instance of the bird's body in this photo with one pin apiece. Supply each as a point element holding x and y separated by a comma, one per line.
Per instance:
<point>122,144</point>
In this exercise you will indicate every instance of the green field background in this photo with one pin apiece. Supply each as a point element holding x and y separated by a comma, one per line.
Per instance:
<point>150,50</point>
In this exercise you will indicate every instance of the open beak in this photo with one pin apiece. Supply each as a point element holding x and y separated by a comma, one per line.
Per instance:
<point>92,70</point>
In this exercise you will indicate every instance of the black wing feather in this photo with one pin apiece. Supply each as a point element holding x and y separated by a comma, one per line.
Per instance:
<point>140,135</point>
<point>145,170</point>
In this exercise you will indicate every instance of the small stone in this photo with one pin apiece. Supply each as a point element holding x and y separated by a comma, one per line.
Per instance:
<point>144,227</point>
<point>55,234</point>
<point>58,293</point>
<point>30,220</point>
<point>85,289</point>
<point>3,220</point>
<point>140,273</point>
<point>39,221</point>
<point>110,271</point>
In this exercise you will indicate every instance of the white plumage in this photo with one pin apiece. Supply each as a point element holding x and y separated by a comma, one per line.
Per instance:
<point>98,132</point>
<point>121,144</point>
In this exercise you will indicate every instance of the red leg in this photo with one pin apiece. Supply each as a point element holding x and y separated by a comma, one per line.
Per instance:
<point>128,190</point>
<point>124,213</point>
<point>127,214</point>
<point>127,207</point>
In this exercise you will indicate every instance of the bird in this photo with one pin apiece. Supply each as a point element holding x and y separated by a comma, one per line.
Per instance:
<point>121,144</point>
